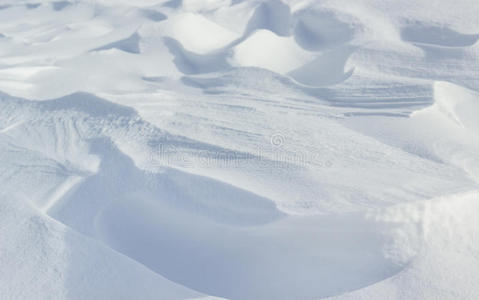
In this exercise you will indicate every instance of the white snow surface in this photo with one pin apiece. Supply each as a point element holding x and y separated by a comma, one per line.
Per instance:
<point>239,149</point>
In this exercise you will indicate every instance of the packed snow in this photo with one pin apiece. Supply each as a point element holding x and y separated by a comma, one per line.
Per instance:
<point>239,149</point>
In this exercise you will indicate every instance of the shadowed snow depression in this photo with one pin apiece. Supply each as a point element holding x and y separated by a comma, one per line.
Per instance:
<point>239,149</point>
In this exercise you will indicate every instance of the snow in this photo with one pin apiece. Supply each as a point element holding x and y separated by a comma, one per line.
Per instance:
<point>233,149</point>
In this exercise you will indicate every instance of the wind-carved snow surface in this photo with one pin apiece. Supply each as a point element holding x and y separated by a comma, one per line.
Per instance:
<point>207,149</point>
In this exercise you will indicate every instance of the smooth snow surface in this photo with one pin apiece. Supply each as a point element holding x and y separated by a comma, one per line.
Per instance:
<point>233,149</point>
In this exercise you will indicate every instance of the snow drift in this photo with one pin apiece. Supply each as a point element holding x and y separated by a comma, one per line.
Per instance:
<point>214,149</point>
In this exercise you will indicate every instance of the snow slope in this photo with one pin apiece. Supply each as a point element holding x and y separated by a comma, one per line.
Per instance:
<point>206,149</point>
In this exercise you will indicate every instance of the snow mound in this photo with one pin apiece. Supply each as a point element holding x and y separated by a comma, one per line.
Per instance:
<point>266,50</point>
<point>458,103</point>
